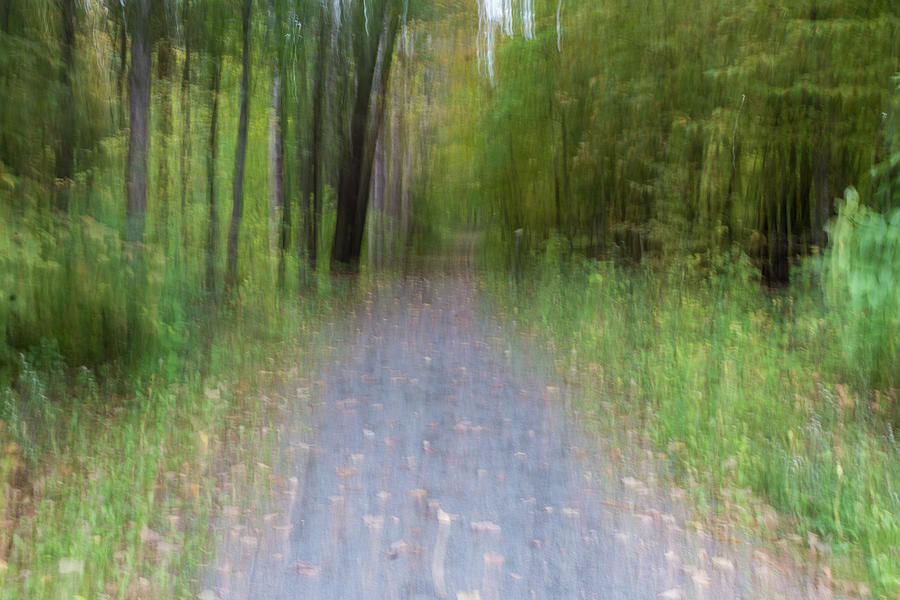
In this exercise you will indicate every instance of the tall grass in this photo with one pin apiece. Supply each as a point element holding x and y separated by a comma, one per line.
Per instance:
<point>742,389</point>
<point>115,436</point>
<point>110,485</point>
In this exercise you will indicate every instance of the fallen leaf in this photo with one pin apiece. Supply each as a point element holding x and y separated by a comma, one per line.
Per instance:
<point>69,566</point>
<point>723,564</point>
<point>700,578</point>
<point>306,569</point>
<point>485,526</point>
<point>207,595</point>
<point>631,483</point>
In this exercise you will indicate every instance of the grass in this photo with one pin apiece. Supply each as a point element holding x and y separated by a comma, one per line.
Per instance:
<point>110,487</point>
<point>747,393</point>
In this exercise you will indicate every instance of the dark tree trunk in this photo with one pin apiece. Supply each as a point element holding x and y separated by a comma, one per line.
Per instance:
<point>212,231</point>
<point>139,118</point>
<point>377,219</point>
<point>185,121</point>
<point>4,15</point>
<point>65,146</point>
<point>356,167</point>
<point>279,200</point>
<point>164,86</point>
<point>313,201</point>
<point>281,210</point>
<point>237,210</point>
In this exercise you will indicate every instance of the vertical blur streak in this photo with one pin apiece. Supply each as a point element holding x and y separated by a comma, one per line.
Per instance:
<point>139,118</point>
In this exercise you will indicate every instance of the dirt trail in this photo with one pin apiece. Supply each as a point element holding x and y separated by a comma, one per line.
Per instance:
<point>442,467</point>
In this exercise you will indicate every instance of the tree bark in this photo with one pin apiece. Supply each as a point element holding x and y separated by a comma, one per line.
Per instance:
<point>139,118</point>
<point>356,166</point>
<point>313,201</point>
<point>377,220</point>
<point>164,87</point>
<point>123,61</point>
<point>65,146</point>
<point>212,231</point>
<point>281,209</point>
<point>237,210</point>
<point>185,121</point>
<point>4,15</point>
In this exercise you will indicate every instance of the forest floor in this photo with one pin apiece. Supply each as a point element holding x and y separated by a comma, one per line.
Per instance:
<point>443,459</point>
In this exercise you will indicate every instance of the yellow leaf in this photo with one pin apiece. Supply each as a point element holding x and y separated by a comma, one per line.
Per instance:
<point>204,439</point>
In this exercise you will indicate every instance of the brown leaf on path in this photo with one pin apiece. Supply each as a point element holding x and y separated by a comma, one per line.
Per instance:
<point>485,526</point>
<point>700,578</point>
<point>305,569</point>
<point>723,564</point>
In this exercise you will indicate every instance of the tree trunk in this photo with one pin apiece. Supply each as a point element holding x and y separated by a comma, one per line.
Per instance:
<point>280,208</point>
<point>139,118</point>
<point>356,167</point>
<point>164,87</point>
<point>376,227</point>
<point>313,201</point>
<point>185,123</point>
<point>65,146</point>
<point>123,60</point>
<point>4,15</point>
<point>212,232</point>
<point>237,210</point>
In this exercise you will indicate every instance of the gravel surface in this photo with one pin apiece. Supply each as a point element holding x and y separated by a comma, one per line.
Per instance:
<point>442,466</point>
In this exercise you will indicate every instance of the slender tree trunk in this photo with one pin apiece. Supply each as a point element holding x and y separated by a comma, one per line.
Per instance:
<point>237,210</point>
<point>164,85</point>
<point>281,208</point>
<point>139,118</point>
<point>123,61</point>
<point>276,196</point>
<point>4,15</point>
<point>313,202</point>
<point>406,143</point>
<point>65,146</point>
<point>185,123</point>
<point>212,231</point>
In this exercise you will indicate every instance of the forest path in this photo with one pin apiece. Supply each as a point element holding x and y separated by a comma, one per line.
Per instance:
<point>441,465</point>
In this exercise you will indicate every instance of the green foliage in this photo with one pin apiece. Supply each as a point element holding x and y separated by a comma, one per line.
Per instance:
<point>647,129</point>
<point>863,271</point>
<point>740,389</point>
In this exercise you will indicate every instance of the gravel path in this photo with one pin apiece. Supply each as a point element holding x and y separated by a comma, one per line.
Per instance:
<point>442,467</point>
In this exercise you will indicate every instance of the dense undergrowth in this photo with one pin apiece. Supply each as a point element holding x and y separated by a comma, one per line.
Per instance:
<point>748,392</point>
<point>111,483</point>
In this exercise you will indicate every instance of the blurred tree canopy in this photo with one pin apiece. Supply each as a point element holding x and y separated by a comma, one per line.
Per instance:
<point>642,129</point>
